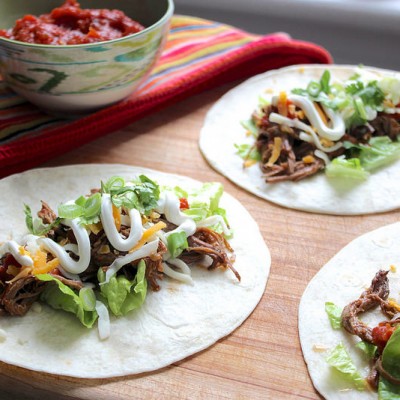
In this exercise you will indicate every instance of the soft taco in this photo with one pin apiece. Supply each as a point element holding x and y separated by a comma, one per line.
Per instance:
<point>123,270</point>
<point>319,138</point>
<point>349,320</point>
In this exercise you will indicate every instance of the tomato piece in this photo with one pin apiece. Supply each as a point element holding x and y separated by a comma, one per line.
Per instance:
<point>183,204</point>
<point>381,334</point>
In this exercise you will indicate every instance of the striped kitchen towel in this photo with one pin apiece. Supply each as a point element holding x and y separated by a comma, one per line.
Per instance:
<point>199,54</point>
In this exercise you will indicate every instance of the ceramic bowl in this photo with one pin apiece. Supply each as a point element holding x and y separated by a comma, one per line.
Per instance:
<point>81,78</point>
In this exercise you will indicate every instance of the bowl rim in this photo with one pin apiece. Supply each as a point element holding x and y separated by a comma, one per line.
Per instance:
<point>167,15</point>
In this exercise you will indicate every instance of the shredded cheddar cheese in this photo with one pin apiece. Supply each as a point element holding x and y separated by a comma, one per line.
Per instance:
<point>40,265</point>
<point>276,151</point>
<point>148,234</point>
<point>394,304</point>
<point>249,163</point>
<point>95,228</point>
<point>282,104</point>
<point>47,267</point>
<point>326,142</point>
<point>321,113</point>
<point>308,159</point>
<point>117,217</point>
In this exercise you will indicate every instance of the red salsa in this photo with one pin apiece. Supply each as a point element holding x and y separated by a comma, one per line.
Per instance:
<point>70,24</point>
<point>381,334</point>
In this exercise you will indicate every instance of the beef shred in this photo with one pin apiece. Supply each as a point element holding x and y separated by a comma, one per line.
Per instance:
<point>293,163</point>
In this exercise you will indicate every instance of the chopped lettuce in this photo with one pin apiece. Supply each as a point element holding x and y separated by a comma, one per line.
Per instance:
<point>204,201</point>
<point>341,361</point>
<point>368,349</point>
<point>391,86</point>
<point>381,151</point>
<point>180,193</point>
<point>177,242</point>
<point>391,355</point>
<point>207,197</point>
<point>388,391</point>
<point>121,294</point>
<point>250,126</point>
<point>346,168</point>
<point>247,152</point>
<point>334,314</point>
<point>62,297</point>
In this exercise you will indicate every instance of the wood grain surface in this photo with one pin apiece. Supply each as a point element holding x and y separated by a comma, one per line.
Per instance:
<point>262,359</point>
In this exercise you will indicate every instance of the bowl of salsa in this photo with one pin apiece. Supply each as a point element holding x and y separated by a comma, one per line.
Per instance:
<point>69,56</point>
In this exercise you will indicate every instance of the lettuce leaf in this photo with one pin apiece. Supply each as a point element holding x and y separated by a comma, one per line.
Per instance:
<point>381,151</point>
<point>123,295</point>
<point>334,314</point>
<point>250,126</point>
<point>342,168</point>
<point>388,391</point>
<point>391,355</point>
<point>247,152</point>
<point>204,203</point>
<point>340,360</point>
<point>62,297</point>
<point>367,348</point>
<point>207,197</point>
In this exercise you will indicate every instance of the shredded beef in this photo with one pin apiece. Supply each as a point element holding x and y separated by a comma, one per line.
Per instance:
<point>373,297</point>
<point>68,282</point>
<point>207,242</point>
<point>385,125</point>
<point>290,165</point>
<point>154,267</point>
<point>18,296</point>
<point>46,214</point>
<point>373,375</point>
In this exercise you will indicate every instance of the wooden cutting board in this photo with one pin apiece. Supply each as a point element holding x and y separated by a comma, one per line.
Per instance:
<point>262,358</point>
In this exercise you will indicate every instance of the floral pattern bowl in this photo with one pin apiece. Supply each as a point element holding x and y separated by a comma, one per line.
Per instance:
<point>73,79</point>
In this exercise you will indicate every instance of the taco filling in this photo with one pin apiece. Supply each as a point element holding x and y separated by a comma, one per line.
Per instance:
<point>381,340</point>
<point>345,127</point>
<point>100,253</point>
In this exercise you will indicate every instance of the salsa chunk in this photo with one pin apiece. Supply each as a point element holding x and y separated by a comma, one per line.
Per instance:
<point>69,24</point>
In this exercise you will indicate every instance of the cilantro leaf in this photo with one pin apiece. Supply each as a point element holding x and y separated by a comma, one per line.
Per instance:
<point>324,82</point>
<point>371,94</point>
<point>142,194</point>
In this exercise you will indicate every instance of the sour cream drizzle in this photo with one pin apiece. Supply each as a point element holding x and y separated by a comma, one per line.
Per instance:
<point>82,238</point>
<point>110,229</point>
<point>318,126</point>
<point>168,205</point>
<point>12,247</point>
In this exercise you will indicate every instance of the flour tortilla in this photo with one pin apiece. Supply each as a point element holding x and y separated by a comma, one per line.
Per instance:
<point>173,323</point>
<point>341,281</point>
<point>319,194</point>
